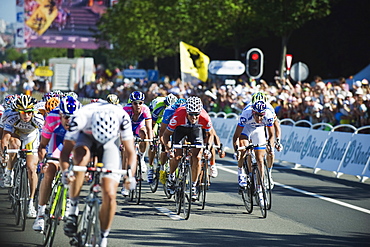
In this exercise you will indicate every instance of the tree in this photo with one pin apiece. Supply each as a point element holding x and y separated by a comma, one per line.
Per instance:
<point>141,29</point>
<point>282,17</point>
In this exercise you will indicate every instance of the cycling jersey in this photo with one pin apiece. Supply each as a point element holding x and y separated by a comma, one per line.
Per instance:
<point>14,124</point>
<point>168,113</point>
<point>139,123</point>
<point>81,133</point>
<point>179,119</point>
<point>5,115</point>
<point>53,130</point>
<point>157,107</point>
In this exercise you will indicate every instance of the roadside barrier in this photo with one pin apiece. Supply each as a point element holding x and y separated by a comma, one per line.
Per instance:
<point>311,146</point>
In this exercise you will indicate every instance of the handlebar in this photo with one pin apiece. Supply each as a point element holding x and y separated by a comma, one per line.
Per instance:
<point>100,169</point>
<point>179,146</point>
<point>251,146</point>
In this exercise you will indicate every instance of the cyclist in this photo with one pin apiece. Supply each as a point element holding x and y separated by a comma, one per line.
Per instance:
<point>8,175</point>
<point>96,127</point>
<point>51,104</point>
<point>52,142</point>
<point>260,96</point>
<point>188,122</point>
<point>113,99</point>
<point>157,108</point>
<point>141,121</point>
<point>24,124</point>
<point>250,129</point>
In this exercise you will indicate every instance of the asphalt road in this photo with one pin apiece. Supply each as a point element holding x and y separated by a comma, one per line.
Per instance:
<point>308,210</point>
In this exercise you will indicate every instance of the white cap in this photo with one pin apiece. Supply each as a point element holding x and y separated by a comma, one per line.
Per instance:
<point>358,83</point>
<point>359,91</point>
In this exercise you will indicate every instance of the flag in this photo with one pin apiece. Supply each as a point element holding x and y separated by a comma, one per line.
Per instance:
<point>193,63</point>
<point>42,17</point>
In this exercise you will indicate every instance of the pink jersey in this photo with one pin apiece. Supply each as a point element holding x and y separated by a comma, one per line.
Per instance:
<point>145,114</point>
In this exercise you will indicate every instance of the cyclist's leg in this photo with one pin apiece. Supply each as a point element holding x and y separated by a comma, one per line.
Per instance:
<point>14,143</point>
<point>109,185</point>
<point>31,142</point>
<point>49,171</point>
<point>242,177</point>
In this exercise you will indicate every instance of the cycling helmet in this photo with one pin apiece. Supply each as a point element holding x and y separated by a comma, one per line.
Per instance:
<point>51,104</point>
<point>180,102</point>
<point>72,94</point>
<point>25,102</point>
<point>259,107</point>
<point>68,105</point>
<point>47,96</point>
<point>8,101</point>
<point>259,96</point>
<point>135,96</point>
<point>94,100</point>
<point>113,99</point>
<point>58,93</point>
<point>104,126</point>
<point>194,104</point>
<point>170,99</point>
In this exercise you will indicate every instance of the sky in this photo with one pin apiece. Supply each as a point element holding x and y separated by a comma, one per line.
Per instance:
<point>7,10</point>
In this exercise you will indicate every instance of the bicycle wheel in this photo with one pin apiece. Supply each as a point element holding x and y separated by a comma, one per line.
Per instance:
<point>15,193</point>
<point>40,176</point>
<point>247,191</point>
<point>258,181</point>
<point>166,170</point>
<point>179,188</point>
<point>267,185</point>
<point>136,193</point>
<point>24,194</point>
<point>186,193</point>
<point>49,212</point>
<point>55,216</point>
<point>156,167</point>
<point>202,185</point>
<point>84,227</point>
<point>93,227</point>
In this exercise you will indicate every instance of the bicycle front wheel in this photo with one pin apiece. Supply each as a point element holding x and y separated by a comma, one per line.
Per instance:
<point>136,193</point>
<point>262,201</point>
<point>93,233</point>
<point>186,196</point>
<point>203,186</point>
<point>156,167</point>
<point>267,185</point>
<point>23,199</point>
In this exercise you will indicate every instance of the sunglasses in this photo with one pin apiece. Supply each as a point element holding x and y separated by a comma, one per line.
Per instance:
<point>65,116</point>
<point>138,103</point>
<point>25,112</point>
<point>194,114</point>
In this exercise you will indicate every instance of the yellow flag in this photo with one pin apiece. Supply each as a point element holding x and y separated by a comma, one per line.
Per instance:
<point>42,17</point>
<point>193,62</point>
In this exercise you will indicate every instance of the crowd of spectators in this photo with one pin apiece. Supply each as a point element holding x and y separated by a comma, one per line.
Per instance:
<point>317,102</point>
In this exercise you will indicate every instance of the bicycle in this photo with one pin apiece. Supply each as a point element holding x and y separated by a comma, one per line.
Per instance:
<point>183,181</point>
<point>88,224</point>
<point>56,207</point>
<point>156,166</point>
<point>136,193</point>
<point>253,183</point>
<point>20,191</point>
<point>163,177</point>
<point>267,183</point>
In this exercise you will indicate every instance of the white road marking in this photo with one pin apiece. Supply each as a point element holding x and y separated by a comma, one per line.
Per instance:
<point>169,213</point>
<point>344,204</point>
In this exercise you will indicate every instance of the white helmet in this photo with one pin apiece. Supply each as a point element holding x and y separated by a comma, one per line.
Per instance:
<point>170,99</point>
<point>194,104</point>
<point>105,126</point>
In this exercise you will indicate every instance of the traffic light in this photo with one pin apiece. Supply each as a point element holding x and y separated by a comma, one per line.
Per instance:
<point>254,63</point>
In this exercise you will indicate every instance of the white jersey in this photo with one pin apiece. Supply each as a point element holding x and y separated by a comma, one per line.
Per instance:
<point>14,124</point>
<point>246,118</point>
<point>81,120</point>
<point>5,115</point>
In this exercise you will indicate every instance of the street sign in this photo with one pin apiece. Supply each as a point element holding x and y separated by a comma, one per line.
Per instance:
<point>43,71</point>
<point>231,67</point>
<point>299,71</point>
<point>134,73</point>
<point>153,75</point>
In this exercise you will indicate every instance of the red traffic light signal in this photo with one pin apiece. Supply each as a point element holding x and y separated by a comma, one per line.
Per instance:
<point>254,63</point>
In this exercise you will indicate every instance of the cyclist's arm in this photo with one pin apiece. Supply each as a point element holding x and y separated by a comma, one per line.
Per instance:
<point>149,129</point>
<point>236,136</point>
<point>277,128</point>
<point>271,139</point>
<point>42,148</point>
<point>166,139</point>
<point>65,153</point>
<point>161,132</point>
<point>130,154</point>
<point>5,139</point>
